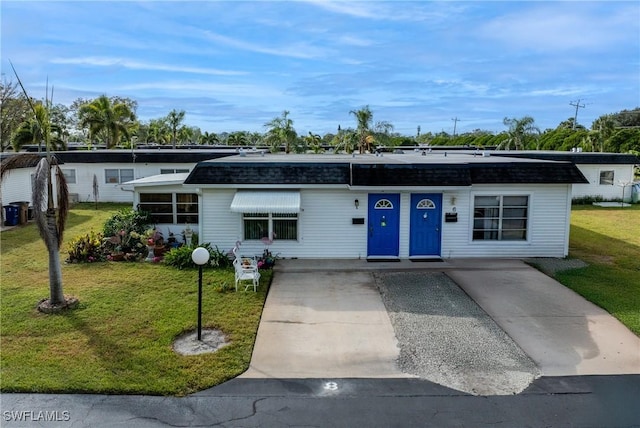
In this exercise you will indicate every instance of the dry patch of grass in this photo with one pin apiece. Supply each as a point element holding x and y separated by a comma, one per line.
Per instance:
<point>120,338</point>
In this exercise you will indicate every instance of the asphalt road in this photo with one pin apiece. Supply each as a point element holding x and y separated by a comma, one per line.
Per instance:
<point>577,401</point>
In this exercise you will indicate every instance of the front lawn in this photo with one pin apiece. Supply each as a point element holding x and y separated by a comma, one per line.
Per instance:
<point>609,240</point>
<point>120,338</point>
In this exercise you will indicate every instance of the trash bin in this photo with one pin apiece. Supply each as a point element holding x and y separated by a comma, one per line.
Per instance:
<point>23,213</point>
<point>11,215</point>
<point>635,193</point>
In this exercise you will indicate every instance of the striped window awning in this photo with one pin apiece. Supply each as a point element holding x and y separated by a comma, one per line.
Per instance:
<point>276,202</point>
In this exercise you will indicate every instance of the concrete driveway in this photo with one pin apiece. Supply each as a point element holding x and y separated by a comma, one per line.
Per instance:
<point>563,333</point>
<point>324,324</point>
<point>326,319</point>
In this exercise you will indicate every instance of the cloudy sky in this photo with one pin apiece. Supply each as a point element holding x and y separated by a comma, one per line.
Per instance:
<point>236,65</point>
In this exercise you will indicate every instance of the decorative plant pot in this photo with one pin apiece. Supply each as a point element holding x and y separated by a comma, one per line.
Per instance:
<point>117,257</point>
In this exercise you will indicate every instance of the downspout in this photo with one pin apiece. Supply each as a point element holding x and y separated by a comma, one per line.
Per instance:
<point>567,228</point>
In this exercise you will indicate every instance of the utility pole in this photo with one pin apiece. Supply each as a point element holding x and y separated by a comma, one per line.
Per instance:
<point>577,105</point>
<point>455,123</point>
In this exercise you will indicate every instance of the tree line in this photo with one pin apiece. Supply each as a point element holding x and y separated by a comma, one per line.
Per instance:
<point>112,122</point>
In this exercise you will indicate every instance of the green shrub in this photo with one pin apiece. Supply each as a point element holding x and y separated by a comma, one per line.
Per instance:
<point>180,257</point>
<point>125,230</point>
<point>587,200</point>
<point>127,219</point>
<point>218,258</point>
<point>86,249</point>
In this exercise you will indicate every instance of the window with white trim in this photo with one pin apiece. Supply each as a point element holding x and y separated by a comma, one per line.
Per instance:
<point>117,176</point>
<point>500,218</point>
<point>383,204</point>
<point>170,208</point>
<point>270,225</point>
<point>69,175</point>
<point>173,170</point>
<point>606,178</point>
<point>425,204</point>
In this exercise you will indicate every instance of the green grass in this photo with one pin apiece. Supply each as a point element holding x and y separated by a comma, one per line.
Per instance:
<point>609,240</point>
<point>120,338</point>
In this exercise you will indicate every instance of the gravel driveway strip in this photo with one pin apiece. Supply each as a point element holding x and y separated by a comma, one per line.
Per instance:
<point>446,338</point>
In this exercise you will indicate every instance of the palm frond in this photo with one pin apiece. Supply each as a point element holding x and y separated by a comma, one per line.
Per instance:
<point>62,190</point>
<point>40,193</point>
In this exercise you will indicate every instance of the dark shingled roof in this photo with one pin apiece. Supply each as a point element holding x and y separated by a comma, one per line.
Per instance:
<point>577,158</point>
<point>410,175</point>
<point>269,173</point>
<point>561,173</point>
<point>384,174</point>
<point>150,156</point>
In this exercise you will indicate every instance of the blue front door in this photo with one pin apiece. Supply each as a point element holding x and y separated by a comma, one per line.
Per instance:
<point>384,225</point>
<point>426,220</point>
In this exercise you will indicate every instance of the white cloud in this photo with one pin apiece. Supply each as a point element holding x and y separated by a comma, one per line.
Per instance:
<point>298,49</point>
<point>139,65</point>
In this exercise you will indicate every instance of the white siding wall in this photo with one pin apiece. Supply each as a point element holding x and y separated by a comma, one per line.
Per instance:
<point>17,186</point>
<point>324,225</point>
<point>549,211</point>
<point>622,174</point>
<point>109,192</point>
<point>326,229</point>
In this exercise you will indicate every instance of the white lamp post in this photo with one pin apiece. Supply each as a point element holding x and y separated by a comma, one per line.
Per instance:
<point>200,256</point>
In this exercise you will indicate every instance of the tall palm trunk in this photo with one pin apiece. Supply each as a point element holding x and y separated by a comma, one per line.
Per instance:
<point>56,296</point>
<point>50,221</point>
<point>51,224</point>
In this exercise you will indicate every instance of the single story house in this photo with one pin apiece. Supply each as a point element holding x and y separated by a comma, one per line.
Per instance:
<point>374,206</point>
<point>111,168</point>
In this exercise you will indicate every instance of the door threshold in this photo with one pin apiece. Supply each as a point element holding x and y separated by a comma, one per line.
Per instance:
<point>425,259</point>
<point>383,258</point>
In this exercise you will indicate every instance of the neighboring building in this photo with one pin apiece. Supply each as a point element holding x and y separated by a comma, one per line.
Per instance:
<point>609,174</point>
<point>111,168</point>
<point>367,206</point>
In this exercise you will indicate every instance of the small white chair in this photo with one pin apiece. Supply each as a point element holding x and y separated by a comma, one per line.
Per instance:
<point>246,270</point>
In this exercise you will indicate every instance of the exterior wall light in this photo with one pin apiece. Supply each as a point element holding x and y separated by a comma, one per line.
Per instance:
<point>356,203</point>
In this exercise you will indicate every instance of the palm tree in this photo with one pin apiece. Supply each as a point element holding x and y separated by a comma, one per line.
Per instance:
<point>237,139</point>
<point>346,140</point>
<point>158,132</point>
<point>520,133</point>
<point>209,138</point>
<point>29,132</point>
<point>186,134</point>
<point>601,130</point>
<point>106,120</point>
<point>314,142</point>
<point>174,119</point>
<point>364,116</point>
<point>50,217</point>
<point>280,131</point>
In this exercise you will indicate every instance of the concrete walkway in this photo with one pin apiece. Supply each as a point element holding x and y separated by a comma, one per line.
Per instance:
<point>325,318</point>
